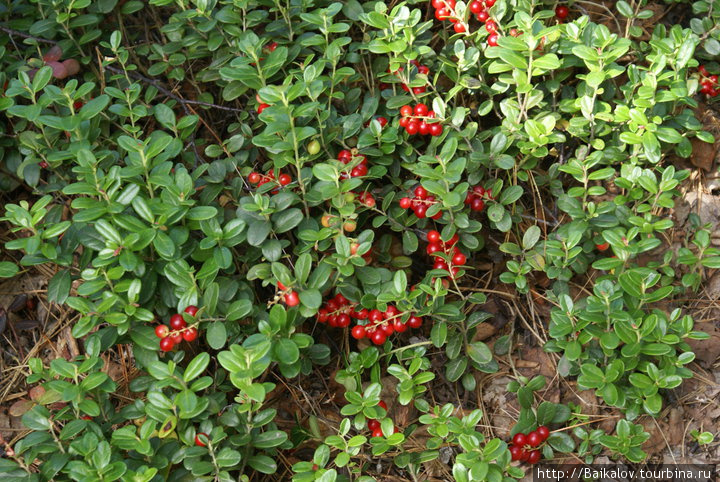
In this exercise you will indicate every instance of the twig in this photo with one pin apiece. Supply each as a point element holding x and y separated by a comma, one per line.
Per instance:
<point>167,93</point>
<point>17,33</point>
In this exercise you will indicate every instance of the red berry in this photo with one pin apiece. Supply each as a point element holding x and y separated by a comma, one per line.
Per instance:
<point>190,334</point>
<point>477,204</point>
<point>191,310</point>
<point>459,27</point>
<point>476,7</point>
<point>492,40</point>
<point>284,179</point>
<point>322,315</point>
<point>359,170</point>
<point>433,248</point>
<point>436,129</point>
<point>344,154</point>
<point>177,322</point>
<point>254,178</point>
<point>713,79</point>
<point>562,12</point>
<point>483,16</point>
<point>391,312</point>
<point>442,14</point>
<point>166,344</point>
<point>367,199</point>
<point>262,107</point>
<point>424,128</point>
<point>373,424</point>
<point>602,247</point>
<point>489,3</point>
<point>406,111</point>
<point>382,121</point>
<point>412,127</point>
<point>534,457</point>
<point>375,316</point>
<point>433,236</point>
<point>491,26</point>
<point>358,332</point>
<point>378,431</point>
<point>543,431</point>
<point>418,90</point>
<point>479,190</point>
<point>421,192</point>
<point>364,313</point>
<point>702,70</point>
<point>86,417</point>
<point>514,32</point>
<point>200,441</point>
<point>399,325</point>
<point>292,299</point>
<point>459,259</point>
<point>533,439</point>
<point>405,202</point>
<point>43,164</point>
<point>388,328</point>
<point>382,404</point>
<point>161,331</point>
<point>176,338</point>
<point>438,3</point>
<point>343,321</point>
<point>515,452</point>
<point>519,439</point>
<point>421,211</point>
<point>423,69</point>
<point>414,322</point>
<point>378,337</point>
<point>420,110</point>
<point>404,121</point>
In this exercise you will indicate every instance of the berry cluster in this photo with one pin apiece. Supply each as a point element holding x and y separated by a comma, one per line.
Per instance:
<point>260,179</point>
<point>178,330</point>
<point>290,296</point>
<point>422,69</point>
<point>419,120</point>
<point>374,425</point>
<point>60,69</point>
<point>346,157</point>
<point>709,83</point>
<point>525,446</point>
<point>437,246</point>
<point>338,312</point>
<point>420,203</point>
<point>328,221</point>
<point>475,198</point>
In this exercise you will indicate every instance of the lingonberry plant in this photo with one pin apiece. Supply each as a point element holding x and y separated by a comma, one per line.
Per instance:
<point>288,218</point>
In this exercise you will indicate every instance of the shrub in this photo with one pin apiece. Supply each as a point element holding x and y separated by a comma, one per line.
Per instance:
<point>285,169</point>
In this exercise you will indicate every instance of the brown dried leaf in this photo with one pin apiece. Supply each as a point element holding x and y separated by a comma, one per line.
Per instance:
<point>19,408</point>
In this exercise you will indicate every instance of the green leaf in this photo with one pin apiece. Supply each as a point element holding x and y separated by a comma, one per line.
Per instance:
<point>269,439</point>
<point>562,442</point>
<point>196,366</point>
<point>216,335</point>
<point>479,352</point>
<point>286,351</point>
<point>59,287</point>
<point>8,269</point>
